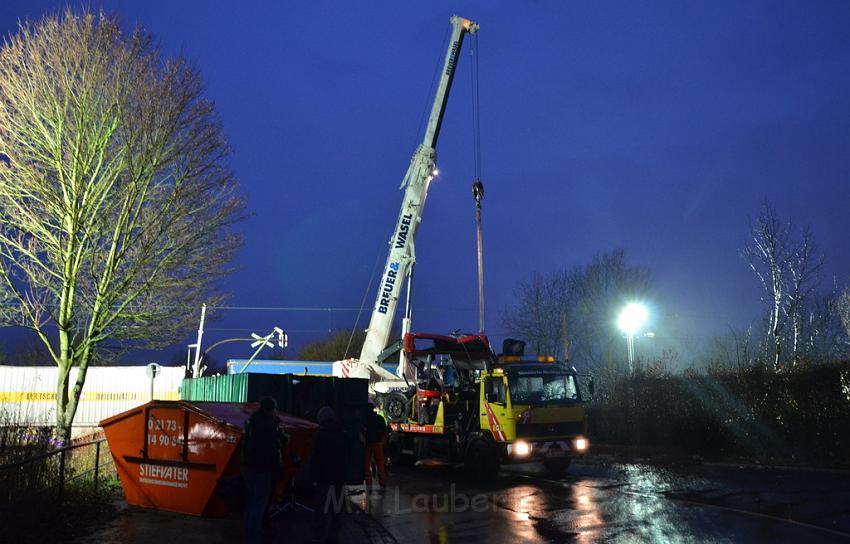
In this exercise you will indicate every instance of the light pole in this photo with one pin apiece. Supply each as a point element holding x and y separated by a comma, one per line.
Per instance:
<point>630,321</point>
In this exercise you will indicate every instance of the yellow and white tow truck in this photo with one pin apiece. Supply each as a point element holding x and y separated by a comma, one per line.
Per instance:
<point>464,404</point>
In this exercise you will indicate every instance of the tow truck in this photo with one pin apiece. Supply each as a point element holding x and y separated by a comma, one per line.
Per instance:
<point>466,405</point>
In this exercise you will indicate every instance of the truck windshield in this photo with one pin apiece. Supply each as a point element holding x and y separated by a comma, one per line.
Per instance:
<point>542,387</point>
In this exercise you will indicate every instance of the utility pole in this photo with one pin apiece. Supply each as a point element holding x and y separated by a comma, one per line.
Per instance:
<point>196,370</point>
<point>152,371</point>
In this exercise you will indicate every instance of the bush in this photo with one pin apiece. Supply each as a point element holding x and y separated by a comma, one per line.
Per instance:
<point>801,414</point>
<point>30,505</point>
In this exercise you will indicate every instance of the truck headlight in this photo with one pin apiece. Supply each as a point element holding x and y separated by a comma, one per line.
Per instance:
<point>522,448</point>
<point>580,444</point>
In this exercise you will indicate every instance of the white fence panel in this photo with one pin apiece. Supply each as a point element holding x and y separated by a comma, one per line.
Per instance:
<point>28,393</point>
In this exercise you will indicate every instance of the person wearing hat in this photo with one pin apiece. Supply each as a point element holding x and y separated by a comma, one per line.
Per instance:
<point>329,459</point>
<point>261,448</point>
<point>376,434</point>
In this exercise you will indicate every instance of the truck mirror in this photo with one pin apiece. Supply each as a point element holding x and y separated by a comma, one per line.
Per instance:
<point>590,386</point>
<point>494,390</point>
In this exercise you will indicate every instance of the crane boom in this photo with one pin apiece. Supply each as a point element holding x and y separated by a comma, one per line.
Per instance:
<point>419,174</point>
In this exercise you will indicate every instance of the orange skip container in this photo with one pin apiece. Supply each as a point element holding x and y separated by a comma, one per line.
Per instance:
<point>183,456</point>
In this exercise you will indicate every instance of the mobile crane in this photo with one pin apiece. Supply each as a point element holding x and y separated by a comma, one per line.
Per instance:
<point>399,265</point>
<point>455,399</point>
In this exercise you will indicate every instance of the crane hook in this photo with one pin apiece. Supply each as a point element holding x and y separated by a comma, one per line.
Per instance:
<point>477,190</point>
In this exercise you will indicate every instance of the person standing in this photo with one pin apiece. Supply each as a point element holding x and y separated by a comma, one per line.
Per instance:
<point>261,464</point>
<point>329,460</point>
<point>376,435</point>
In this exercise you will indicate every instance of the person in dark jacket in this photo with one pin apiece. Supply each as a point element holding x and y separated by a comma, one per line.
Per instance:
<point>329,460</point>
<point>261,464</point>
<point>376,434</point>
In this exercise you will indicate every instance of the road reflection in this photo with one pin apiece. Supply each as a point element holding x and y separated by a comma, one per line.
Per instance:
<point>523,503</point>
<point>617,503</point>
<point>648,509</point>
<point>630,507</point>
<point>589,521</point>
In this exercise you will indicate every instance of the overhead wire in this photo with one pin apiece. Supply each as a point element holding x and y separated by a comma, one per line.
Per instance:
<point>714,316</point>
<point>362,304</point>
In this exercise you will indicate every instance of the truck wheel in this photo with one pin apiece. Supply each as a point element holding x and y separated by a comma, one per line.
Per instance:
<point>556,467</point>
<point>481,460</point>
<point>395,407</point>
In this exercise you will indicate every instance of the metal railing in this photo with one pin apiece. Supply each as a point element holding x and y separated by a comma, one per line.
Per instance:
<point>47,475</point>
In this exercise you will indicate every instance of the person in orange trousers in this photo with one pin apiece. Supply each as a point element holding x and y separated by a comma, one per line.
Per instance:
<point>375,434</point>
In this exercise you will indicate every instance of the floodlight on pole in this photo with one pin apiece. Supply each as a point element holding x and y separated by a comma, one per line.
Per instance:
<point>630,321</point>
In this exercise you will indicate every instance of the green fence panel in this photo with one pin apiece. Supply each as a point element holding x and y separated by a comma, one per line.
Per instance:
<point>298,395</point>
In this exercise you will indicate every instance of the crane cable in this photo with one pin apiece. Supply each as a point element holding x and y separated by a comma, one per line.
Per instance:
<point>426,106</point>
<point>362,305</point>
<point>477,185</point>
<point>476,117</point>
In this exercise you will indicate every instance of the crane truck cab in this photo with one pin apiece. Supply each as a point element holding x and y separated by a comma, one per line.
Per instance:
<point>464,404</point>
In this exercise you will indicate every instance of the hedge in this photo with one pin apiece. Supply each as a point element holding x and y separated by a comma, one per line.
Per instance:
<point>796,415</point>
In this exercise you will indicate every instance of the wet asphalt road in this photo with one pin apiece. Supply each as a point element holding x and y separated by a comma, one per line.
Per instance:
<point>613,502</point>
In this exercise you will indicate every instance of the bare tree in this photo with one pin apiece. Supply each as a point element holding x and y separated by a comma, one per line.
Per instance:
<point>804,264</point>
<point>843,308</point>
<point>581,301</point>
<point>766,255</point>
<point>116,202</point>
<point>603,288</point>
<point>335,347</point>
<point>787,264</point>
<point>824,337</point>
<point>540,314</point>
<point>732,350</point>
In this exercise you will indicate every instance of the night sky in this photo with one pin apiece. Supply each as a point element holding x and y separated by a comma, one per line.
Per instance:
<point>657,127</point>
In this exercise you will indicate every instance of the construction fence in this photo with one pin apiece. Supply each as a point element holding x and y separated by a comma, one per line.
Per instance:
<point>28,393</point>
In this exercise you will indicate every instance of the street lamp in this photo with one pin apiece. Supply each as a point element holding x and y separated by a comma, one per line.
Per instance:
<point>630,321</point>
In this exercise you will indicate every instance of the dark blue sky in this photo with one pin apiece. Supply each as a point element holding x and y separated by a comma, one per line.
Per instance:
<point>658,127</point>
